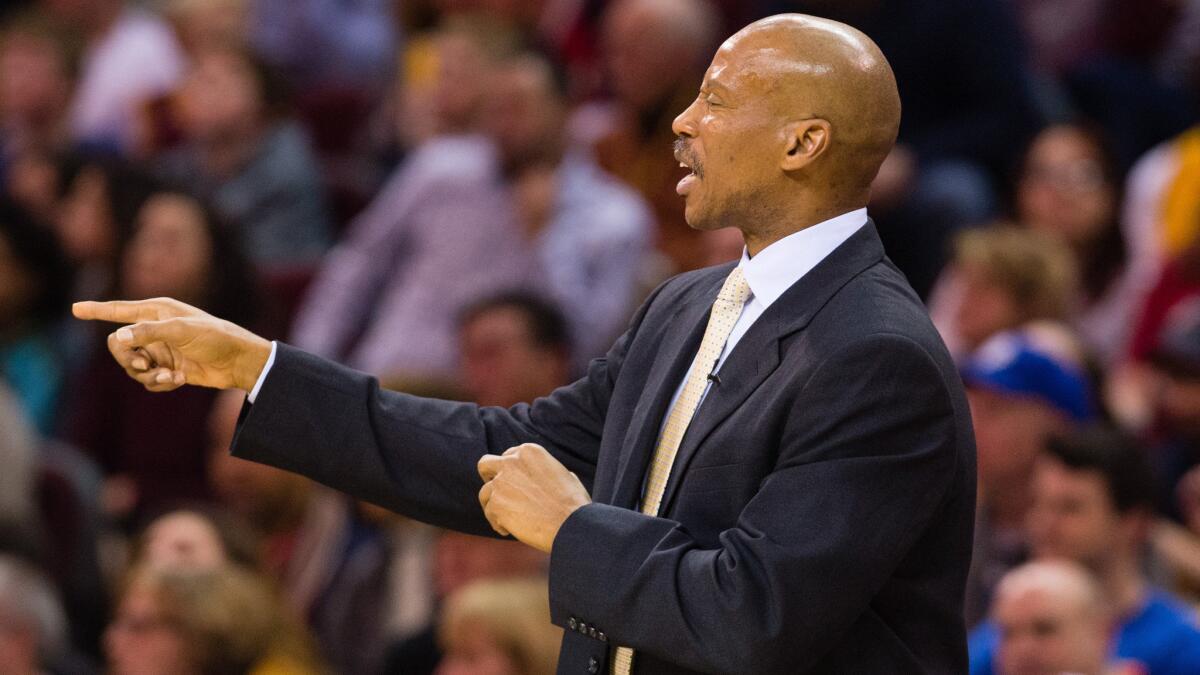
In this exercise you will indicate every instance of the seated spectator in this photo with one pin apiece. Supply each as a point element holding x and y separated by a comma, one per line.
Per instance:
<point>329,561</point>
<point>1068,188</point>
<point>1023,386</point>
<point>588,231</point>
<point>515,348</point>
<point>130,57</point>
<point>34,282</point>
<point>97,205</point>
<point>243,152</point>
<point>1067,191</point>
<point>35,90</point>
<point>224,620</point>
<point>1052,618</point>
<point>459,560</point>
<point>1176,404</point>
<point>1093,504</point>
<point>466,218</point>
<point>33,627</point>
<point>499,628</point>
<point>197,538</point>
<point>654,54</point>
<point>1004,277</point>
<point>151,447</point>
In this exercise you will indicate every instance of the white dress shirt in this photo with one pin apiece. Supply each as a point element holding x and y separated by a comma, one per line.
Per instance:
<point>768,274</point>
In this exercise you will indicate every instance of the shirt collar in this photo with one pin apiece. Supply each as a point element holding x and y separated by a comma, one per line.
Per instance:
<point>786,261</point>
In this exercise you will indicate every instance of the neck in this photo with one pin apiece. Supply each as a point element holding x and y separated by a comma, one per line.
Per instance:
<point>1008,501</point>
<point>758,239</point>
<point>1123,583</point>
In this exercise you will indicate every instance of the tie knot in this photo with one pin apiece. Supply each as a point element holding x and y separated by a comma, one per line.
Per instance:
<point>735,289</point>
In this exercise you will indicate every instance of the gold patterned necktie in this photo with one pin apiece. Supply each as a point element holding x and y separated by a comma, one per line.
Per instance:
<point>725,313</point>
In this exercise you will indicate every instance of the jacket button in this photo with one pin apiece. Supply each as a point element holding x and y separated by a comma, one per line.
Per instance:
<point>572,623</point>
<point>592,631</point>
<point>593,666</point>
<point>583,628</point>
<point>602,637</point>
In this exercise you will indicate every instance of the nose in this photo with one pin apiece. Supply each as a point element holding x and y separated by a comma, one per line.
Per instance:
<point>685,122</point>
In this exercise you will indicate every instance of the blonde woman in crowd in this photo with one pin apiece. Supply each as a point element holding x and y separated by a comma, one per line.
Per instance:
<point>495,627</point>
<point>220,621</point>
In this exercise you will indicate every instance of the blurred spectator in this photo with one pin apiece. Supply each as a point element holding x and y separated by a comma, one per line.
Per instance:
<point>35,91</point>
<point>1052,617</point>
<point>1175,402</point>
<point>466,217</point>
<point>1163,224</point>
<point>1023,386</point>
<point>330,562</point>
<point>34,282</point>
<point>1068,189</point>
<point>1002,277</point>
<point>499,628</point>
<point>245,154</point>
<point>97,203</point>
<point>587,230</point>
<point>129,57</point>
<point>515,348</point>
<point>445,74</point>
<point>356,40</point>
<point>151,447</point>
<point>655,53</point>
<point>1093,504</point>
<point>959,127</point>
<point>461,559</point>
<point>197,538</point>
<point>223,620</point>
<point>19,521</point>
<point>33,627</point>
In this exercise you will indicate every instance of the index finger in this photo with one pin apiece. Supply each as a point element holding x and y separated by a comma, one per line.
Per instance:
<point>130,311</point>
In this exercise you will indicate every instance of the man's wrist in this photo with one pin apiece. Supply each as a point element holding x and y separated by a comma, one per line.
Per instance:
<point>252,362</point>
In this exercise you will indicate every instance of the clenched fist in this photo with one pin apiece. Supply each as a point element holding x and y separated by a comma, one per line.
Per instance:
<point>529,494</point>
<point>169,344</point>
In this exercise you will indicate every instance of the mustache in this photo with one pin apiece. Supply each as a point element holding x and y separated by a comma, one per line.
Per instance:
<point>684,153</point>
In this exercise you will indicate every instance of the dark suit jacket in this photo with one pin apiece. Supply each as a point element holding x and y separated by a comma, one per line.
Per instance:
<point>819,515</point>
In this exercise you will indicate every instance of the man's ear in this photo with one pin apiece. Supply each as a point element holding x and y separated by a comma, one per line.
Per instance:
<point>804,141</point>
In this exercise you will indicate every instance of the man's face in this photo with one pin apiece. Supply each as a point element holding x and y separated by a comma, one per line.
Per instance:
<point>730,139</point>
<point>1009,433</point>
<point>522,115</point>
<point>1072,515</point>
<point>1044,632</point>
<point>502,364</point>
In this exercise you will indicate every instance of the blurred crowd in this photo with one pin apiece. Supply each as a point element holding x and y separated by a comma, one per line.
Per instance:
<point>467,199</point>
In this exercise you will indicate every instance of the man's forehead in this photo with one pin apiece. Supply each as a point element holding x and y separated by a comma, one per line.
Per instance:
<point>736,64</point>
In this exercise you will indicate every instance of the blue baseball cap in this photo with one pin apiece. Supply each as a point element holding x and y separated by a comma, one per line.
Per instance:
<point>1012,363</point>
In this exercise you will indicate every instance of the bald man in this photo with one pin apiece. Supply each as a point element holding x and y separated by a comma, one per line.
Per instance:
<point>771,471</point>
<point>1053,618</point>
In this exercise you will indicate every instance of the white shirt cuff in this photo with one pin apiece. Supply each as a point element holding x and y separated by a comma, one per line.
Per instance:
<point>262,377</point>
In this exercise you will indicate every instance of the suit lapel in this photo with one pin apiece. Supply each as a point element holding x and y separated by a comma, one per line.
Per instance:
<point>684,331</point>
<point>757,354</point>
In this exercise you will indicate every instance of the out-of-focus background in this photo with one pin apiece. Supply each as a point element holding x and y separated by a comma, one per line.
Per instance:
<point>467,198</point>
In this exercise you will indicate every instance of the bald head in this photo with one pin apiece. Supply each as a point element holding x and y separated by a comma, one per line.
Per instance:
<point>828,70</point>
<point>807,108</point>
<point>1053,618</point>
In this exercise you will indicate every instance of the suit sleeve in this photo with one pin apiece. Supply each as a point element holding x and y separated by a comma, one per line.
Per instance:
<point>865,462</point>
<point>414,455</point>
